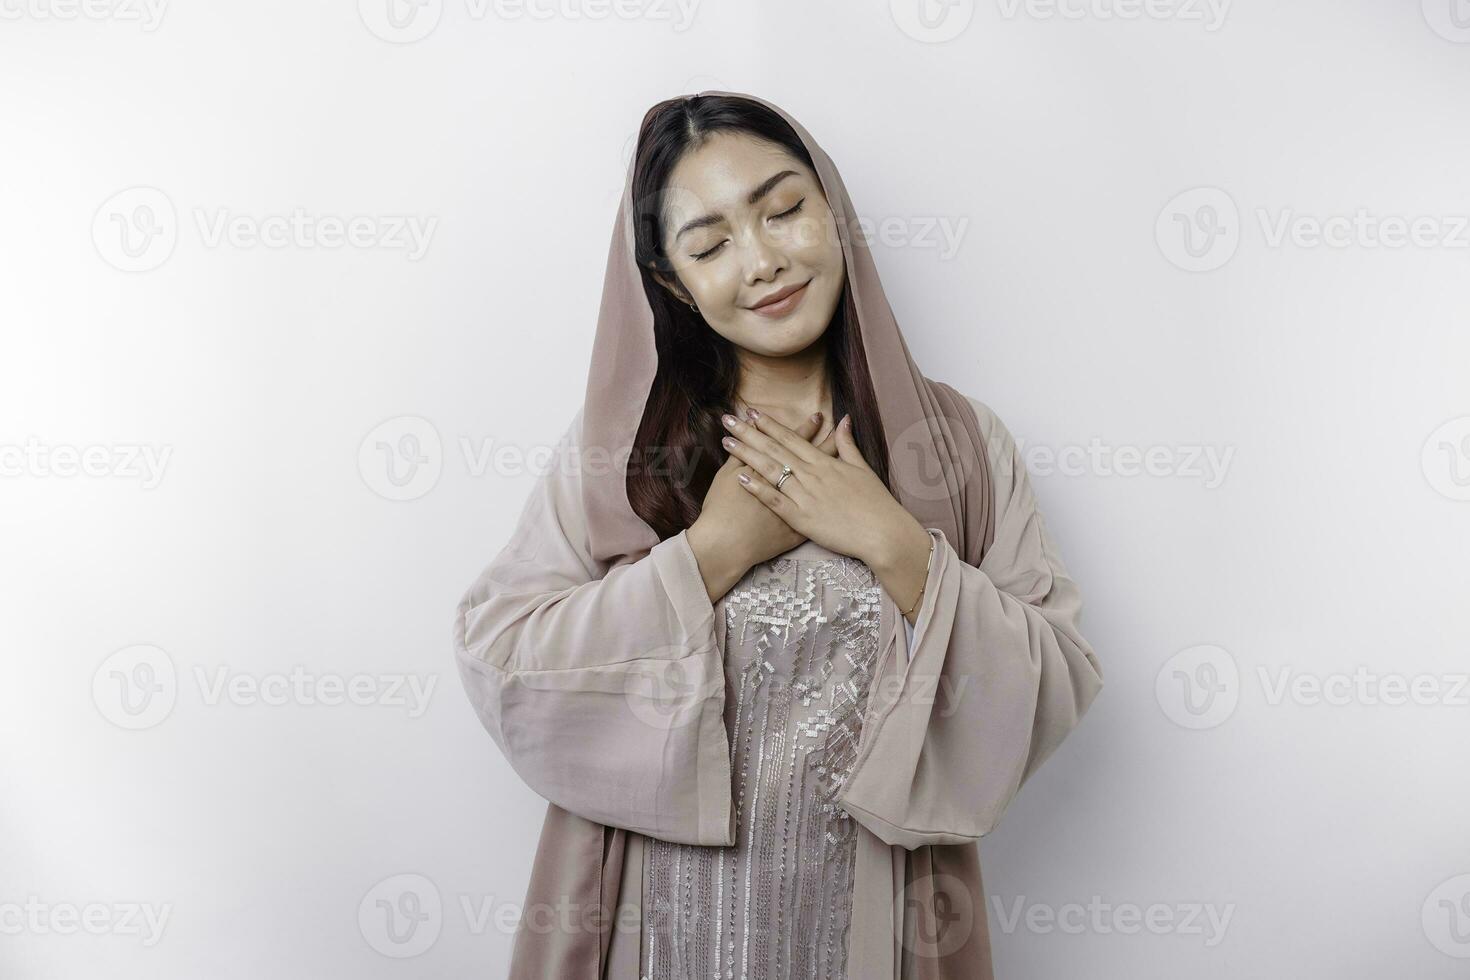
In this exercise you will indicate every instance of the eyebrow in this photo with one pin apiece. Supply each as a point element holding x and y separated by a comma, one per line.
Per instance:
<point>761,190</point>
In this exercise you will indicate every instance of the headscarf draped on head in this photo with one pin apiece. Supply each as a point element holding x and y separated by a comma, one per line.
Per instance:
<point>937,460</point>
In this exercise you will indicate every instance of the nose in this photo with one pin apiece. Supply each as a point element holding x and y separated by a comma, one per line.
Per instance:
<point>763,259</point>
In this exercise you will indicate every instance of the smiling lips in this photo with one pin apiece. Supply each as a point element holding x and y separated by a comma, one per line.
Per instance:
<point>781,302</point>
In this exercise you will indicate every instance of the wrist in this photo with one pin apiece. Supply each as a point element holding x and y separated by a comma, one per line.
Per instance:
<point>899,546</point>
<point>902,562</point>
<point>705,537</point>
<point>718,557</point>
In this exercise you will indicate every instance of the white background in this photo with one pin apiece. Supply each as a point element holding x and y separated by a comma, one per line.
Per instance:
<point>1057,141</point>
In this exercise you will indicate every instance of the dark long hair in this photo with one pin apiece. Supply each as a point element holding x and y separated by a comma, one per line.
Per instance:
<point>697,371</point>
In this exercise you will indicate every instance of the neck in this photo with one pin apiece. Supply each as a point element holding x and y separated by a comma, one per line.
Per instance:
<point>788,388</point>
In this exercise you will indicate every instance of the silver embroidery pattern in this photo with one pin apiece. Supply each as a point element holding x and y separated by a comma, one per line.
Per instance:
<point>801,642</point>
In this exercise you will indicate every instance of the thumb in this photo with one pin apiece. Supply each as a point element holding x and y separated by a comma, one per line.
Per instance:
<point>847,447</point>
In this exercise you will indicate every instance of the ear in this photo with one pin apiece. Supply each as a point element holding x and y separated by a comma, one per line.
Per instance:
<point>673,286</point>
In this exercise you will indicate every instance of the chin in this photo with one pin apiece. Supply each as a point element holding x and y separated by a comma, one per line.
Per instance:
<point>782,339</point>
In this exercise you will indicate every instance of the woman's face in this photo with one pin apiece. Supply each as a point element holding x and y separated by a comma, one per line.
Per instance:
<point>743,223</point>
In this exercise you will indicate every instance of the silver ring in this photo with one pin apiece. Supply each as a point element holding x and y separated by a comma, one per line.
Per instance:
<point>785,472</point>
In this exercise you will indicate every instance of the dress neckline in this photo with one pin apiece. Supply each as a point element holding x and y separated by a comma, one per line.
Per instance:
<point>810,549</point>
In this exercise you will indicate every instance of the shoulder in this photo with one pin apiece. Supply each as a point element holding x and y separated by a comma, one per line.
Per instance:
<point>989,421</point>
<point>1000,445</point>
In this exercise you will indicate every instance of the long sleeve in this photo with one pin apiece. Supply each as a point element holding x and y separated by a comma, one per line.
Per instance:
<point>998,673</point>
<point>603,688</point>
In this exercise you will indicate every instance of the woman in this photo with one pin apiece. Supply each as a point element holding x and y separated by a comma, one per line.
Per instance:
<point>689,646</point>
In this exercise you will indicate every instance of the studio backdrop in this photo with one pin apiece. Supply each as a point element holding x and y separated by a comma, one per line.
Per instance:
<point>298,298</point>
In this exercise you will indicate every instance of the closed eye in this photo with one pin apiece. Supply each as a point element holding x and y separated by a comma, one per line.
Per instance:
<point>701,256</point>
<point>793,210</point>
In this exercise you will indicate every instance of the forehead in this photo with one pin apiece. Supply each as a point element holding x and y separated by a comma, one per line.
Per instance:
<point>719,175</point>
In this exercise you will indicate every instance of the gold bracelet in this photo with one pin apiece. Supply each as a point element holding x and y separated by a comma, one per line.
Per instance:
<point>927,565</point>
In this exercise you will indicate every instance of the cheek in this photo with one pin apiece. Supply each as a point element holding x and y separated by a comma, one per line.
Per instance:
<point>822,250</point>
<point>713,286</point>
<point>818,245</point>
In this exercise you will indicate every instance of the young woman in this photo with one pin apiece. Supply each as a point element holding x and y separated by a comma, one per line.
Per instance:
<point>691,645</point>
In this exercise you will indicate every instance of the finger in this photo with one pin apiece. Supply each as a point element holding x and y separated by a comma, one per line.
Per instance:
<point>847,447</point>
<point>778,502</point>
<point>809,426</point>
<point>829,444</point>
<point>764,466</point>
<point>780,442</point>
<point>808,430</point>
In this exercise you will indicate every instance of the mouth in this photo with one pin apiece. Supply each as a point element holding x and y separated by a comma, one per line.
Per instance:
<point>781,302</point>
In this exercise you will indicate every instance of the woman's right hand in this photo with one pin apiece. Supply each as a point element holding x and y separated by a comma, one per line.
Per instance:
<point>734,530</point>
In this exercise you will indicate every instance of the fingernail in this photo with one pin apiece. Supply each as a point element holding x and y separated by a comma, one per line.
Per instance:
<point>816,416</point>
<point>729,420</point>
<point>742,478</point>
<point>727,442</point>
<point>754,414</point>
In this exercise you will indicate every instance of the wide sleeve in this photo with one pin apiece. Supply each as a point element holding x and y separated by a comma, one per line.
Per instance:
<point>603,687</point>
<point>998,673</point>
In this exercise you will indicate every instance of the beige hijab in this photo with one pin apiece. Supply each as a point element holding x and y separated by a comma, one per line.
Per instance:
<point>937,461</point>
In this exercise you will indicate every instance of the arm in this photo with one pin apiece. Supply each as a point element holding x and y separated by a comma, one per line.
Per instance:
<point>604,688</point>
<point>998,674</point>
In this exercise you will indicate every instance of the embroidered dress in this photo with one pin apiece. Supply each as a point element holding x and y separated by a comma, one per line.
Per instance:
<point>801,641</point>
<point>556,650</point>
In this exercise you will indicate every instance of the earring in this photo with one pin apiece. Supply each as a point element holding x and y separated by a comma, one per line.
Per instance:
<point>694,308</point>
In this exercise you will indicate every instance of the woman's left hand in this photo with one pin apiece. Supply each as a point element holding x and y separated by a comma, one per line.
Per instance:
<point>836,501</point>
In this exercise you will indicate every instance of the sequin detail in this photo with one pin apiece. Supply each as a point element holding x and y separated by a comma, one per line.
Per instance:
<point>801,641</point>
